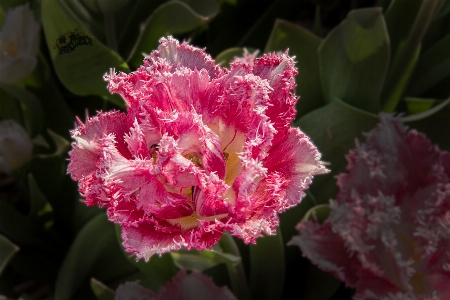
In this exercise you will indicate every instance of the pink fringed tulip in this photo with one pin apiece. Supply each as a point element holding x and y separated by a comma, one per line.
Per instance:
<point>182,287</point>
<point>388,233</point>
<point>200,150</point>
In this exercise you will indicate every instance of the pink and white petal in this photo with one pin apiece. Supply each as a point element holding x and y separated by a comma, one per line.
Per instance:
<point>297,160</point>
<point>134,291</point>
<point>183,55</point>
<point>280,71</point>
<point>210,197</point>
<point>87,147</point>
<point>193,286</point>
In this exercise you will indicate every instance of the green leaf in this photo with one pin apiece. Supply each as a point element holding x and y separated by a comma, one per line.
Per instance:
<point>40,208</point>
<point>319,213</point>
<point>432,67</point>
<point>159,269</point>
<point>81,70</point>
<point>354,59</point>
<point>7,251</point>
<point>33,115</point>
<point>418,105</point>
<point>400,17</point>
<point>404,60</point>
<point>173,17</point>
<point>91,255</point>
<point>61,146</point>
<point>202,260</point>
<point>267,267</point>
<point>101,291</point>
<point>304,45</point>
<point>427,113</point>
<point>333,129</point>
<point>435,127</point>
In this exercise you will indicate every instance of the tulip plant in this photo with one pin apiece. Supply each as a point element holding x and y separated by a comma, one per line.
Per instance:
<point>224,149</point>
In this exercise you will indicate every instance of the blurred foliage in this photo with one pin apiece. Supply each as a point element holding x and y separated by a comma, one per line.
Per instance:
<point>355,59</point>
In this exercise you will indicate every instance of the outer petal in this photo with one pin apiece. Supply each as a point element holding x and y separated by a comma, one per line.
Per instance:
<point>193,286</point>
<point>181,55</point>
<point>133,291</point>
<point>87,148</point>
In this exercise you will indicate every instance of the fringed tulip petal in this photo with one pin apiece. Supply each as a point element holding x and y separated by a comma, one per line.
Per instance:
<point>391,217</point>
<point>196,153</point>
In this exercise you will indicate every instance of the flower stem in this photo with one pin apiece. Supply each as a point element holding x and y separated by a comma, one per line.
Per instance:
<point>236,272</point>
<point>110,32</point>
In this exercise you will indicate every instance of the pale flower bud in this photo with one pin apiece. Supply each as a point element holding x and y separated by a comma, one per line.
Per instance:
<point>15,146</point>
<point>19,43</point>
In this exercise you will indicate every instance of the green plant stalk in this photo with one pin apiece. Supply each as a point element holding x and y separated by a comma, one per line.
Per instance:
<point>110,32</point>
<point>402,62</point>
<point>236,273</point>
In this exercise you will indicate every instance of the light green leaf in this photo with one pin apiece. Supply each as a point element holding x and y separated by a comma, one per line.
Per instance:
<point>40,208</point>
<point>319,213</point>
<point>173,17</point>
<point>427,113</point>
<point>202,260</point>
<point>354,59</point>
<point>333,129</point>
<point>7,251</point>
<point>61,145</point>
<point>81,70</point>
<point>159,269</point>
<point>432,67</point>
<point>304,45</point>
<point>31,107</point>
<point>101,290</point>
<point>267,267</point>
<point>91,255</point>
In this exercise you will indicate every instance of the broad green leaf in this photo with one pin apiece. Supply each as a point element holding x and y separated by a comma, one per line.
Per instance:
<point>159,269</point>
<point>400,17</point>
<point>333,129</point>
<point>228,55</point>
<point>432,67</point>
<point>93,253</point>
<point>236,272</point>
<point>31,107</point>
<point>81,69</point>
<point>40,208</point>
<point>267,267</point>
<point>304,45</point>
<point>354,59</point>
<point>101,290</point>
<point>207,9</point>
<point>173,17</point>
<point>427,113</point>
<point>406,57</point>
<point>391,97</point>
<point>202,260</point>
<point>7,251</point>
